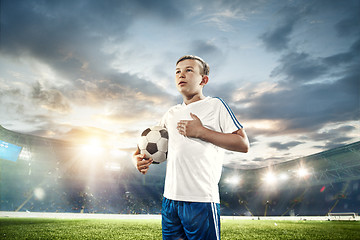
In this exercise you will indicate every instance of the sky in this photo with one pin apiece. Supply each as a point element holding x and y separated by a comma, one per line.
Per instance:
<point>104,70</point>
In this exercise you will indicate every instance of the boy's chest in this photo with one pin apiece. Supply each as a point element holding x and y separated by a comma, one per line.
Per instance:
<point>206,114</point>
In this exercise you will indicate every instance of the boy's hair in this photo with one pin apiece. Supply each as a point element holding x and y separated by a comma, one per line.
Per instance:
<point>205,69</point>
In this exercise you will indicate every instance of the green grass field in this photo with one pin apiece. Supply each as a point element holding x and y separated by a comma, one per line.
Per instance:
<point>43,228</point>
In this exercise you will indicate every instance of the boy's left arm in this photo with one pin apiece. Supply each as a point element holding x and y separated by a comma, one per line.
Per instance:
<point>235,141</point>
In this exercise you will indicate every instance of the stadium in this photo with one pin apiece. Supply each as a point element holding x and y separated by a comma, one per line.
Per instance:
<point>48,178</point>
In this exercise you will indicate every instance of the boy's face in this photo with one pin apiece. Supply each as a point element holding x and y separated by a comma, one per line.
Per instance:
<point>188,78</point>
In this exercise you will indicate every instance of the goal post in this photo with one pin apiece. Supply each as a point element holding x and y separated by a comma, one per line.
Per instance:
<point>342,216</point>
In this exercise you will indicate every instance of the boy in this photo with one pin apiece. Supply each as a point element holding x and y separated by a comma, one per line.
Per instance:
<point>199,130</point>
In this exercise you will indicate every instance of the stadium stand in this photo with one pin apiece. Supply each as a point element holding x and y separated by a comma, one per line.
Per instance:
<point>54,176</point>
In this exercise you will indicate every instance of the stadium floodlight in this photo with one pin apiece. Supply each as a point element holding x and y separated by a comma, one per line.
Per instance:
<point>233,180</point>
<point>283,177</point>
<point>39,193</point>
<point>302,172</point>
<point>270,178</point>
<point>93,148</point>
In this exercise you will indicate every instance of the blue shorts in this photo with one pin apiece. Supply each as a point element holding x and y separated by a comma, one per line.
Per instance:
<point>190,220</point>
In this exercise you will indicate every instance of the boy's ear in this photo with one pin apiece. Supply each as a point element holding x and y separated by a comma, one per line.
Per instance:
<point>204,80</point>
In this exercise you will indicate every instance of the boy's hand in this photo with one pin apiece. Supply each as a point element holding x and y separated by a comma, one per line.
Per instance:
<point>235,141</point>
<point>142,164</point>
<point>190,128</point>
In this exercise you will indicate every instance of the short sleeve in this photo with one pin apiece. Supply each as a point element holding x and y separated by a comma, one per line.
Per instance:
<point>227,118</point>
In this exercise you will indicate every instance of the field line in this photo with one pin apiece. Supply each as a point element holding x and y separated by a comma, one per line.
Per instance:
<point>151,216</point>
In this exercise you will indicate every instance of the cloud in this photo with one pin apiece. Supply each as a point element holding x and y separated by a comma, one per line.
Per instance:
<point>114,86</point>
<point>308,107</point>
<point>68,23</point>
<point>220,15</point>
<point>7,91</point>
<point>311,91</point>
<point>69,43</point>
<point>284,146</point>
<point>167,10</point>
<point>351,56</point>
<point>225,91</point>
<point>339,135</point>
<point>336,142</point>
<point>80,65</point>
<point>70,36</point>
<point>297,106</point>
<point>299,67</point>
<point>277,38</point>
<point>50,99</point>
<point>204,48</point>
<point>348,26</point>
<point>295,16</point>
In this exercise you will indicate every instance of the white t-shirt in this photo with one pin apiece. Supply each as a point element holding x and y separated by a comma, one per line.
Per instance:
<point>194,166</point>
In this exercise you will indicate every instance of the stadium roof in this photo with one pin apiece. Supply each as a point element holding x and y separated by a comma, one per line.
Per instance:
<point>335,165</point>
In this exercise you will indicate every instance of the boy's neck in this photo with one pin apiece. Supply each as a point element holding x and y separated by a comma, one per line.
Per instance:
<point>193,98</point>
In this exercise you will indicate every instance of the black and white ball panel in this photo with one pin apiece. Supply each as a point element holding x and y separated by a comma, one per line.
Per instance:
<point>154,143</point>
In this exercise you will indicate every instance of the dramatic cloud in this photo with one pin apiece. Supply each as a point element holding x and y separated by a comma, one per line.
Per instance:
<point>79,69</point>
<point>309,107</point>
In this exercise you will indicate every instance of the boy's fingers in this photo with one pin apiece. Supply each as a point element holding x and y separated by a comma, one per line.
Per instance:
<point>141,164</point>
<point>143,169</point>
<point>140,157</point>
<point>145,163</point>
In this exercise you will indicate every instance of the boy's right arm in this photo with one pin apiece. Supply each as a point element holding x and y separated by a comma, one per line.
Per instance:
<point>142,164</point>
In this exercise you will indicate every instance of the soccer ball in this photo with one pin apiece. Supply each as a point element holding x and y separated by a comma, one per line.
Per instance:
<point>154,143</point>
